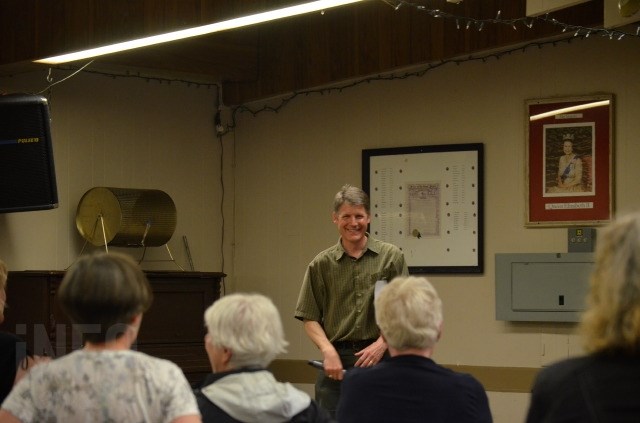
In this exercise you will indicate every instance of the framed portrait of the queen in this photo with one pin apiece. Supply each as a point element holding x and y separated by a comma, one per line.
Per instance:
<point>569,150</point>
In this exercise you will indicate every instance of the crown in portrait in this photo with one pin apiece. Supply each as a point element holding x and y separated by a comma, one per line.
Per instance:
<point>567,137</point>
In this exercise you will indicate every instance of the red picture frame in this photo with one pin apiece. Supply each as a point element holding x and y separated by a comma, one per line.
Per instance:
<point>569,161</point>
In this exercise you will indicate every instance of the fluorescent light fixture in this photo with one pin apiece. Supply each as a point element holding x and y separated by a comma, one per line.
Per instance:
<point>257,18</point>
<point>570,109</point>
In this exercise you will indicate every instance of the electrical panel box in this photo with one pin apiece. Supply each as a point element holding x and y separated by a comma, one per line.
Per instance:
<point>542,286</point>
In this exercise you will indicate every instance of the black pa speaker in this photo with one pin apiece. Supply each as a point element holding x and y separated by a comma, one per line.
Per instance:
<point>27,174</point>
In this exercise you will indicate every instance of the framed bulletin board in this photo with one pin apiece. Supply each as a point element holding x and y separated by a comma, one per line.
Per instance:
<point>428,200</point>
<point>569,161</point>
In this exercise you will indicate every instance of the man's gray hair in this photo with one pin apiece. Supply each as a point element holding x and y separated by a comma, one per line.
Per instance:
<point>351,195</point>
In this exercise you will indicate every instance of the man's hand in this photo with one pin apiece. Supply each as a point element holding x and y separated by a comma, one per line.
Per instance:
<point>332,363</point>
<point>372,354</point>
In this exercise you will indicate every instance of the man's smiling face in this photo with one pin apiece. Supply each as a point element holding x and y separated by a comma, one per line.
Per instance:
<point>352,222</point>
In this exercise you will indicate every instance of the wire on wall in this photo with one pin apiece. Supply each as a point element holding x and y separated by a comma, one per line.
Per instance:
<point>419,72</point>
<point>50,78</point>
<point>219,136</point>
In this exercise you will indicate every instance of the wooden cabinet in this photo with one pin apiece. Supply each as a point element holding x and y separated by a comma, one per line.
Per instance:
<point>173,328</point>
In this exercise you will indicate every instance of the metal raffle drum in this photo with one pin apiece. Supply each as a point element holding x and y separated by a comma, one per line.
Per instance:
<point>126,217</point>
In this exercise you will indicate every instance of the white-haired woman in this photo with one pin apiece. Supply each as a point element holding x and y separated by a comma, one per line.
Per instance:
<point>603,385</point>
<point>409,386</point>
<point>244,336</point>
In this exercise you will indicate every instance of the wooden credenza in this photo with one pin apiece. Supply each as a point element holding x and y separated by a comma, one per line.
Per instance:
<point>173,328</point>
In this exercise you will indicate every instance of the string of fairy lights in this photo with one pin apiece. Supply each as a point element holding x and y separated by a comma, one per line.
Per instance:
<point>283,101</point>
<point>462,23</point>
<point>528,22</point>
<point>569,32</point>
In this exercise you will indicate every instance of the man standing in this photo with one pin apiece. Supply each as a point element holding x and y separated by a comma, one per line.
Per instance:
<point>336,297</point>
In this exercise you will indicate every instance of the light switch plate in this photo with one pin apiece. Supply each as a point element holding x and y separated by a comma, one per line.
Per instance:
<point>581,240</point>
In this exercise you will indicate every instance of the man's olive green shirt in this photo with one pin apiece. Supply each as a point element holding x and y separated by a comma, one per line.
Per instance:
<point>337,290</point>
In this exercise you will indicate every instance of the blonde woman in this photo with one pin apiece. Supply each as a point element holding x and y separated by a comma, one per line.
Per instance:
<point>603,385</point>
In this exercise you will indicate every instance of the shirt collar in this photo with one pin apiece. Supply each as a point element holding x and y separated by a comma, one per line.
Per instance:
<point>371,245</point>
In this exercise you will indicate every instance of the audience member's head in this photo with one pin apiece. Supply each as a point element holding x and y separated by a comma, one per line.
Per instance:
<point>243,330</point>
<point>612,319</point>
<point>102,293</point>
<point>3,286</point>
<point>409,314</point>
<point>3,275</point>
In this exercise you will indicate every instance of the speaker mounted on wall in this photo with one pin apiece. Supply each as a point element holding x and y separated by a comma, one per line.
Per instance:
<point>27,173</point>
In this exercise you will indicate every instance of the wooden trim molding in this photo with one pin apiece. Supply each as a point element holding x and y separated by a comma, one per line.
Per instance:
<point>500,379</point>
<point>494,379</point>
<point>294,371</point>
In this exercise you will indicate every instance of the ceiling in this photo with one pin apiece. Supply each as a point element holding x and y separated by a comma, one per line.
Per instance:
<point>266,60</point>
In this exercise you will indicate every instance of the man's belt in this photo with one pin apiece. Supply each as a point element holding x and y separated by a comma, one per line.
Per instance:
<point>353,345</point>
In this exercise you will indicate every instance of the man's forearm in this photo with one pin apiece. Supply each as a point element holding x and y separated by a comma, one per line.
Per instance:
<point>317,334</point>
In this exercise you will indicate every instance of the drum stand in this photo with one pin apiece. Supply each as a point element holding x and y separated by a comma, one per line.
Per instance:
<point>100,219</point>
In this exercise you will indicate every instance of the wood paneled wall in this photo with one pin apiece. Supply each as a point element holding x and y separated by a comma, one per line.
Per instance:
<point>372,37</point>
<point>258,62</point>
